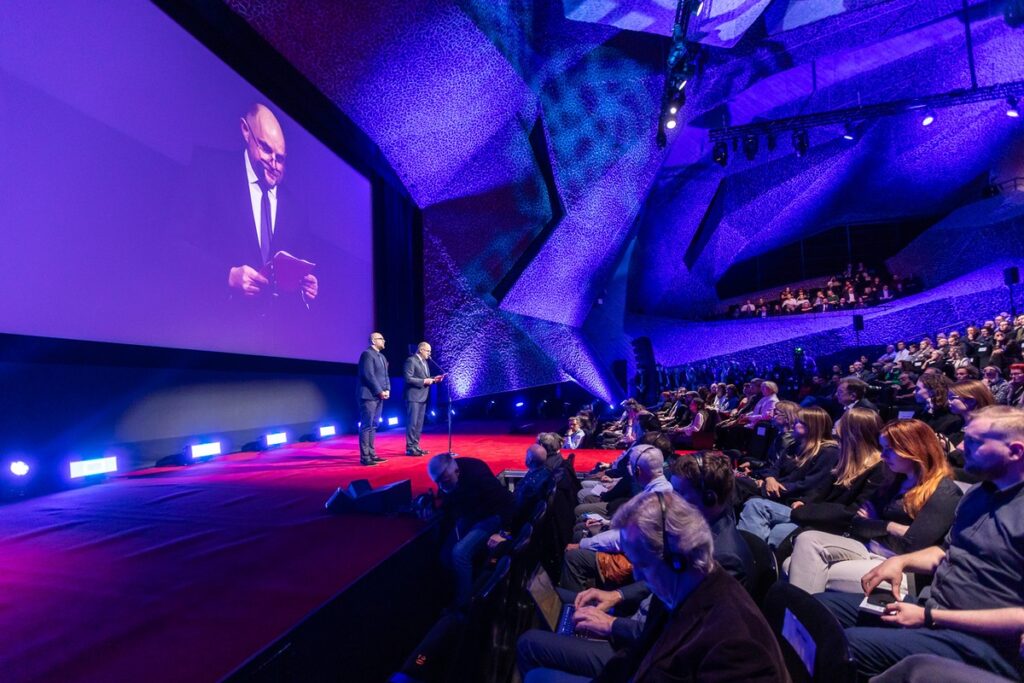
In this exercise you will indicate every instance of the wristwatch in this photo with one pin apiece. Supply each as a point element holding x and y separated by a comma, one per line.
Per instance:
<point>929,621</point>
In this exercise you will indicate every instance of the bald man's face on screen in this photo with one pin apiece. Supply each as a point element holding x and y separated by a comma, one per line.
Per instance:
<point>264,141</point>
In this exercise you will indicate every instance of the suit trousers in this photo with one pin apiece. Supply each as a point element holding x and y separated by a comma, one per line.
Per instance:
<point>414,412</point>
<point>370,410</point>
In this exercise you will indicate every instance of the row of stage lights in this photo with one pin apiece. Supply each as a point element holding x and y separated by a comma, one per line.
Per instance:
<point>21,470</point>
<point>801,140</point>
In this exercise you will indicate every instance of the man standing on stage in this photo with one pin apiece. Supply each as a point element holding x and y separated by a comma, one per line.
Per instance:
<point>374,389</point>
<point>417,391</point>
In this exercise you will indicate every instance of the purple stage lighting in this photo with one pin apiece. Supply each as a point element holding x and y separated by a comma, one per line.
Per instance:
<point>204,450</point>
<point>89,468</point>
<point>19,468</point>
<point>275,439</point>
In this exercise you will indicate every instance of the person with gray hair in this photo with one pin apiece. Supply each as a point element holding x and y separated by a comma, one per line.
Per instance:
<point>580,566</point>
<point>475,505</point>
<point>702,625</point>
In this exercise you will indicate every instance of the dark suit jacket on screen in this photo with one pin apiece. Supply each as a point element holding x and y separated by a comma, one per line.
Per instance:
<point>415,372</point>
<point>221,228</point>
<point>373,374</point>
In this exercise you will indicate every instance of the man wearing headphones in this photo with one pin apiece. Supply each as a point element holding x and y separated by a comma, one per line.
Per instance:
<point>702,625</point>
<point>705,480</point>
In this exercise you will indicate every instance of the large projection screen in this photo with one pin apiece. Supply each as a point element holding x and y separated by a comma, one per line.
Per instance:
<point>150,195</point>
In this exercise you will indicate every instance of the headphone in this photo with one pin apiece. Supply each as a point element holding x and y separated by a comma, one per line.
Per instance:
<point>672,559</point>
<point>708,497</point>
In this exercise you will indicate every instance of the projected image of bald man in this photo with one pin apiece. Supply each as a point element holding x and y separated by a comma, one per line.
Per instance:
<point>265,155</point>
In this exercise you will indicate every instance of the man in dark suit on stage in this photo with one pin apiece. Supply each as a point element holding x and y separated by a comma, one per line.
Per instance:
<point>374,389</point>
<point>417,390</point>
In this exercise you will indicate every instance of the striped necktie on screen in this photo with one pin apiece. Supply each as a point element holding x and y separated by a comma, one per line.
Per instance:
<point>265,224</point>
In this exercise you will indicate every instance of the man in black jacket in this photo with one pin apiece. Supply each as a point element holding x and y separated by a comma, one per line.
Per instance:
<point>475,506</point>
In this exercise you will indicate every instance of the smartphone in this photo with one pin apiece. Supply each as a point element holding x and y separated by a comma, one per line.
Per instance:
<point>877,601</point>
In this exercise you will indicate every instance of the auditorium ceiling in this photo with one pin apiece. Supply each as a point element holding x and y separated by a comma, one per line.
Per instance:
<point>526,132</point>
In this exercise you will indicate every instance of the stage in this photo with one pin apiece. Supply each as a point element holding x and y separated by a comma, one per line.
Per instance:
<point>193,573</point>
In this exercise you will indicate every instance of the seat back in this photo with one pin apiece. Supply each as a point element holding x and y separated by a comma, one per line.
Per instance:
<point>766,567</point>
<point>760,440</point>
<point>812,641</point>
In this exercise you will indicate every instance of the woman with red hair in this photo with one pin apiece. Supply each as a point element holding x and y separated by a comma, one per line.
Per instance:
<point>915,511</point>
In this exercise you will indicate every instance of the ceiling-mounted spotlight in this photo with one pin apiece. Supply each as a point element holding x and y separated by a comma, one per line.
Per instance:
<point>928,118</point>
<point>750,144</point>
<point>1011,107</point>
<point>849,131</point>
<point>670,123</point>
<point>720,153</point>
<point>801,143</point>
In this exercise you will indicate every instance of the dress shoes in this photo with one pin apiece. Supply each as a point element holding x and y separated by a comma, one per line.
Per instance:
<point>367,463</point>
<point>379,460</point>
<point>423,452</point>
<point>414,454</point>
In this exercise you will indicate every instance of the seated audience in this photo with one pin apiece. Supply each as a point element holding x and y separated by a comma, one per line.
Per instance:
<point>1000,388</point>
<point>809,469</point>
<point>858,474</point>
<point>533,488</point>
<point>914,511</point>
<point>474,506</point>
<point>979,570</point>
<point>851,393</point>
<point>601,613</point>
<point>784,416</point>
<point>934,389</point>
<point>1015,396</point>
<point>575,435</point>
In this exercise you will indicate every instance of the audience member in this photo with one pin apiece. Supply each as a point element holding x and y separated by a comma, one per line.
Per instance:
<point>980,569</point>
<point>475,505</point>
<point>914,511</point>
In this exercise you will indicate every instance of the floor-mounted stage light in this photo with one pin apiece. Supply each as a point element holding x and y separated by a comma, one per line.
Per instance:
<point>79,469</point>
<point>720,153</point>
<point>392,422</point>
<point>19,468</point>
<point>275,439</point>
<point>327,431</point>
<point>1012,109</point>
<point>801,142</point>
<point>750,145</point>
<point>209,449</point>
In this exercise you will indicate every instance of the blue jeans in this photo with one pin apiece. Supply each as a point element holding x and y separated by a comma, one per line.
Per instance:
<point>767,520</point>
<point>876,647</point>
<point>464,552</point>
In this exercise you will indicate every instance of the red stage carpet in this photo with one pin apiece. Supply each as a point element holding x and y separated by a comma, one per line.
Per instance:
<point>181,574</point>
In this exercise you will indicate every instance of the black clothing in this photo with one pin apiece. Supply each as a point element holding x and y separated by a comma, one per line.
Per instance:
<point>835,508</point>
<point>477,496</point>
<point>926,529</point>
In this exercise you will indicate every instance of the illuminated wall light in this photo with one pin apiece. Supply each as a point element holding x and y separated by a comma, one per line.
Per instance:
<point>520,404</point>
<point>328,430</point>
<point>276,439</point>
<point>433,413</point>
<point>89,468</point>
<point>392,421</point>
<point>928,118</point>
<point>670,124</point>
<point>204,450</point>
<point>19,468</point>
<point>1012,109</point>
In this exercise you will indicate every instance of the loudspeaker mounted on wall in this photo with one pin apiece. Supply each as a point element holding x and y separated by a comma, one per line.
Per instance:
<point>858,323</point>
<point>1011,276</point>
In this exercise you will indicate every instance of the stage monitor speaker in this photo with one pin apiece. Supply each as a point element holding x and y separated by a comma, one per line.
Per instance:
<point>361,497</point>
<point>858,322</point>
<point>1011,276</point>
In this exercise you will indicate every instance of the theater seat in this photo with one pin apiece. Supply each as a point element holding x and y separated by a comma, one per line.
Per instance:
<point>812,641</point>
<point>766,569</point>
